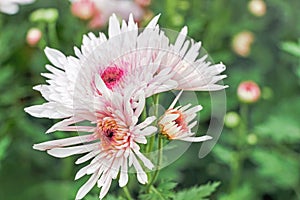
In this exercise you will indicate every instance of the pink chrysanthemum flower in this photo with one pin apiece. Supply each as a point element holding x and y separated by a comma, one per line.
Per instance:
<point>176,123</point>
<point>12,6</point>
<point>112,144</point>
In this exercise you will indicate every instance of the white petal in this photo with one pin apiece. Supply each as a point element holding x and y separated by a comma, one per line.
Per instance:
<point>63,142</point>
<point>56,57</point>
<point>87,186</point>
<point>196,139</point>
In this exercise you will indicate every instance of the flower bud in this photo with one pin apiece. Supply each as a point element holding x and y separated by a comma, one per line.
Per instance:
<point>232,119</point>
<point>242,42</point>
<point>248,92</point>
<point>33,36</point>
<point>257,7</point>
<point>48,15</point>
<point>252,139</point>
<point>83,9</point>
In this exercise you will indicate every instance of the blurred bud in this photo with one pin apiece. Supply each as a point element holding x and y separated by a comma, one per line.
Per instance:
<point>257,7</point>
<point>252,139</point>
<point>33,36</point>
<point>143,3</point>
<point>248,92</point>
<point>83,9</point>
<point>232,119</point>
<point>49,15</point>
<point>242,42</point>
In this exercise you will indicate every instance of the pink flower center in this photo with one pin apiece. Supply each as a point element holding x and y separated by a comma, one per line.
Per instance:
<point>180,120</point>
<point>111,76</point>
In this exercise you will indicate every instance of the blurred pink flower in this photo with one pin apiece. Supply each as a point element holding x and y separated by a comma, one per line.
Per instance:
<point>143,3</point>
<point>12,6</point>
<point>177,122</point>
<point>83,9</point>
<point>33,36</point>
<point>248,92</point>
<point>105,8</point>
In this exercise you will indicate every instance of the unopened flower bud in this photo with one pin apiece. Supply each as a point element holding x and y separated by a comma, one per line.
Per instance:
<point>242,42</point>
<point>83,9</point>
<point>248,92</point>
<point>33,36</point>
<point>232,119</point>
<point>252,139</point>
<point>257,7</point>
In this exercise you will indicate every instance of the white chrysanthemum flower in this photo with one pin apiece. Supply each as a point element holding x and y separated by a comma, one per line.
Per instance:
<point>112,144</point>
<point>12,6</point>
<point>176,123</point>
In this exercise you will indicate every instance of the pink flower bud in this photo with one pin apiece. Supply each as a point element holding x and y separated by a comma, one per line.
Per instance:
<point>257,7</point>
<point>83,9</point>
<point>242,42</point>
<point>248,92</point>
<point>33,37</point>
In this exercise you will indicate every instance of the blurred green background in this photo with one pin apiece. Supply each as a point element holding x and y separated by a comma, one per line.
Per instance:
<point>262,162</point>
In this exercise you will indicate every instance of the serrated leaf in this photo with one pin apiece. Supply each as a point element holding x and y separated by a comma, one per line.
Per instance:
<point>283,124</point>
<point>278,168</point>
<point>199,193</point>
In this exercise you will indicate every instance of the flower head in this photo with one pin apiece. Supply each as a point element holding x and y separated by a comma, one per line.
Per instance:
<point>112,145</point>
<point>105,85</point>
<point>176,123</point>
<point>11,6</point>
<point>248,92</point>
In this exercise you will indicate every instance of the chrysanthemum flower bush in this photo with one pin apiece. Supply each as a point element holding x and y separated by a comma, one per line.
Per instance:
<point>103,93</point>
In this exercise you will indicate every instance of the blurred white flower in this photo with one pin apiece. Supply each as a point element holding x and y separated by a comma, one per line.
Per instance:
<point>12,6</point>
<point>176,123</point>
<point>257,7</point>
<point>242,42</point>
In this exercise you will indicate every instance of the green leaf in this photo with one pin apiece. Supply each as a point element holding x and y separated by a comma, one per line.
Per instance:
<point>283,124</point>
<point>199,193</point>
<point>292,48</point>
<point>244,192</point>
<point>4,143</point>
<point>278,168</point>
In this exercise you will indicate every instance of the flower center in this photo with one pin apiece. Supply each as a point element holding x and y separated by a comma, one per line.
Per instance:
<point>180,120</point>
<point>111,134</point>
<point>111,76</point>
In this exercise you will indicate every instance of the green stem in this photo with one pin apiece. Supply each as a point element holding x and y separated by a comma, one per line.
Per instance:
<point>127,193</point>
<point>158,163</point>
<point>53,39</point>
<point>238,160</point>
<point>157,192</point>
<point>155,101</point>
